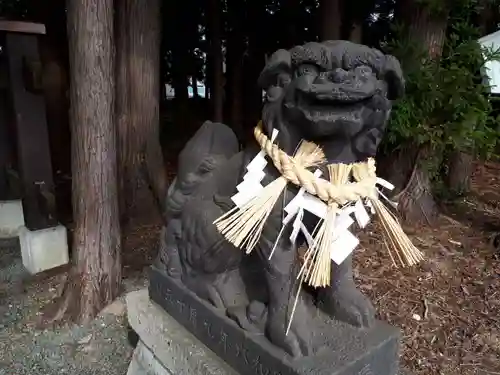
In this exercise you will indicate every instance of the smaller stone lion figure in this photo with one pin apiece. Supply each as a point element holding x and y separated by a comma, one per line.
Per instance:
<point>337,94</point>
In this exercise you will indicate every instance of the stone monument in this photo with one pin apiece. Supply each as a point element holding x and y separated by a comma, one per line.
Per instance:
<point>337,94</point>
<point>25,152</point>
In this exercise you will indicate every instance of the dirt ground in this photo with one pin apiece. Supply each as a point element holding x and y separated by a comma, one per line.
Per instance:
<point>448,307</point>
<point>101,347</point>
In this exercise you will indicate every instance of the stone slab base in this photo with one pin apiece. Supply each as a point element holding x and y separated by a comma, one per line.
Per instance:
<point>144,362</point>
<point>340,348</point>
<point>11,218</point>
<point>165,347</point>
<point>43,249</point>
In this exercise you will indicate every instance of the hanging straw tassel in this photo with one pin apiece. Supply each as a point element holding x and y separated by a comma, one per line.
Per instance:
<point>399,246</point>
<point>317,260</point>
<point>243,226</point>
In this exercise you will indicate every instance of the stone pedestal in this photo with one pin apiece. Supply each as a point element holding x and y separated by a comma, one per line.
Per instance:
<point>165,347</point>
<point>43,249</point>
<point>11,218</point>
<point>343,349</point>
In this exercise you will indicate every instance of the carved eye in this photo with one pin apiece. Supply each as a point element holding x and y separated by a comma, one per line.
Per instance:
<point>363,70</point>
<point>307,69</point>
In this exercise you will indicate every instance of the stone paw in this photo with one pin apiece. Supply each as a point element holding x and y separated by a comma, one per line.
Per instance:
<point>251,317</point>
<point>349,305</point>
<point>214,297</point>
<point>206,291</point>
<point>295,343</point>
<point>298,341</point>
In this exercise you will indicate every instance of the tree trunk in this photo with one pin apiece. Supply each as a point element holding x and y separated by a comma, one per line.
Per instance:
<point>145,37</point>
<point>235,52</point>
<point>194,86</point>
<point>180,61</point>
<point>489,17</point>
<point>96,275</point>
<point>123,108</point>
<point>426,29</point>
<point>291,10</point>
<point>416,201</point>
<point>353,18</point>
<point>138,103</point>
<point>460,166</point>
<point>356,32</point>
<point>216,60</point>
<point>180,81</point>
<point>254,63</point>
<point>331,19</point>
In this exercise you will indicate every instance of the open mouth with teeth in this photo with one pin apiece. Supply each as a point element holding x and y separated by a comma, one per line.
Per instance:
<point>330,110</point>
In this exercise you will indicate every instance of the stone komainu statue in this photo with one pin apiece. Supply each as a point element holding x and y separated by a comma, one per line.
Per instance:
<point>337,94</point>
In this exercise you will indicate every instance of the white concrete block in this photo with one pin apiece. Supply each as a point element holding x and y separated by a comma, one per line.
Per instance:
<point>11,218</point>
<point>43,249</point>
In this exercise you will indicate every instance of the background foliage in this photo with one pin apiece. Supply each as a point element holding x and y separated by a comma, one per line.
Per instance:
<point>447,105</point>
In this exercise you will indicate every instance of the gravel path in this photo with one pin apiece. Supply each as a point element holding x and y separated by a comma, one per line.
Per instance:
<point>101,347</point>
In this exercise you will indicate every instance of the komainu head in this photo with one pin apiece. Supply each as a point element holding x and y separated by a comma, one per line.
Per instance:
<point>336,93</point>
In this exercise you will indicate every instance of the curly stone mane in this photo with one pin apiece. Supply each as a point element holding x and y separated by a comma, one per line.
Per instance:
<point>336,93</point>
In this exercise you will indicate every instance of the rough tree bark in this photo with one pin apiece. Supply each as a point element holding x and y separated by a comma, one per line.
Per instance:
<point>216,60</point>
<point>460,166</point>
<point>122,107</point>
<point>416,200</point>
<point>138,103</point>
<point>429,30</point>
<point>95,278</point>
<point>331,19</point>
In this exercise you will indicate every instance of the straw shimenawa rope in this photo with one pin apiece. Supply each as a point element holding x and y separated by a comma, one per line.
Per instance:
<point>339,191</point>
<point>364,187</point>
<point>399,243</point>
<point>243,226</point>
<point>317,260</point>
<point>323,189</point>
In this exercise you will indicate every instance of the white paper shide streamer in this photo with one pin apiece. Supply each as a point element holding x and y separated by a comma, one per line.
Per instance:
<point>243,225</point>
<point>349,195</point>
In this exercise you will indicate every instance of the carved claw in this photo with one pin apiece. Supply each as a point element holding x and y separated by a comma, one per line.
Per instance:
<point>349,305</point>
<point>251,317</point>
<point>214,297</point>
<point>294,343</point>
<point>298,341</point>
<point>206,291</point>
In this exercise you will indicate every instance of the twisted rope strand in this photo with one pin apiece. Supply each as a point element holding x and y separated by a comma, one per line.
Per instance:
<point>319,187</point>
